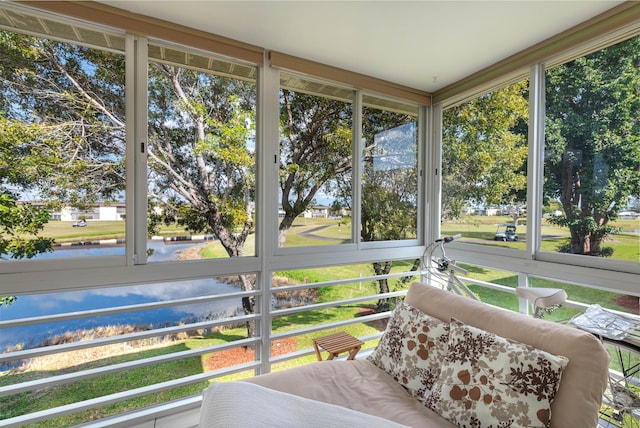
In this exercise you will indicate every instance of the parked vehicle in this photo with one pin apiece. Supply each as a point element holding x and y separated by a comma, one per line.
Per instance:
<point>506,232</point>
<point>80,223</point>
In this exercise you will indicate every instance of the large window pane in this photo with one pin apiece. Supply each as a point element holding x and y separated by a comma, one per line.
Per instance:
<point>389,210</point>
<point>592,155</point>
<point>315,163</point>
<point>62,143</point>
<point>484,170</point>
<point>201,156</point>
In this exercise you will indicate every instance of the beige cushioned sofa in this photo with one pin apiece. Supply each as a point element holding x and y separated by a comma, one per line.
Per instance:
<point>364,387</point>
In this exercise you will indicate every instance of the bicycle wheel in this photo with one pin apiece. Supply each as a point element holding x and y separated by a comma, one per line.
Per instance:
<point>621,401</point>
<point>612,418</point>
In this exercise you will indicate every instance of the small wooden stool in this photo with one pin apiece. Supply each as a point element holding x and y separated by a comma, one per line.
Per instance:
<point>336,344</point>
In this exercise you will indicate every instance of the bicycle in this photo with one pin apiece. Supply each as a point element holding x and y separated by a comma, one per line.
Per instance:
<point>622,400</point>
<point>444,270</point>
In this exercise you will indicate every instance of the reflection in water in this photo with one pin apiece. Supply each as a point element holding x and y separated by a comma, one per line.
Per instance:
<point>55,303</point>
<point>161,252</point>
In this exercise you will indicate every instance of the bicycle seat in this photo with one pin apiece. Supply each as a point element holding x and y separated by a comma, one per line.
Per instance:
<point>542,297</point>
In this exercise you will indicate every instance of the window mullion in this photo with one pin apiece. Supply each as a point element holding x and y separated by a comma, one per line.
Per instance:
<point>136,191</point>
<point>535,166</point>
<point>356,177</point>
<point>424,128</point>
<point>433,170</point>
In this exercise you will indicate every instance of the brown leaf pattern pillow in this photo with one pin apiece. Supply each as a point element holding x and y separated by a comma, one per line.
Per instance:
<point>412,349</point>
<point>489,381</point>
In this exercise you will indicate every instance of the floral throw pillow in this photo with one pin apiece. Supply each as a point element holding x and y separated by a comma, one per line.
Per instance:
<point>412,349</point>
<point>489,381</point>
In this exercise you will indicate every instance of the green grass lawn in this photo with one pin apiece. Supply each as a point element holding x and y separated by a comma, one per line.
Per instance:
<point>63,231</point>
<point>481,230</point>
<point>331,231</point>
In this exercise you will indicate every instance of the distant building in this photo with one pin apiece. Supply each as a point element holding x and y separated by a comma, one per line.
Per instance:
<point>105,211</point>
<point>318,211</point>
<point>628,215</point>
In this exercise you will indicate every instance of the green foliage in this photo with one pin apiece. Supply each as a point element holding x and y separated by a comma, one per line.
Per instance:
<point>390,178</point>
<point>585,227</point>
<point>484,150</point>
<point>386,214</point>
<point>19,166</point>
<point>64,109</point>
<point>62,134</point>
<point>17,220</point>
<point>7,300</point>
<point>54,140</point>
<point>593,141</point>
<point>389,208</point>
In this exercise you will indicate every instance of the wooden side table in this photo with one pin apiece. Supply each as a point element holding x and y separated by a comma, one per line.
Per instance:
<point>336,344</point>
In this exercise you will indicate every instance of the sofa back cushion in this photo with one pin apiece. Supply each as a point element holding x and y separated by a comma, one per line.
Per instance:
<point>584,379</point>
<point>412,349</point>
<point>486,378</point>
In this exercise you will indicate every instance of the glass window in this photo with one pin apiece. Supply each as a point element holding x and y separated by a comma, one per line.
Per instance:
<point>389,209</point>
<point>201,155</point>
<point>592,155</point>
<point>62,144</point>
<point>315,163</point>
<point>484,168</point>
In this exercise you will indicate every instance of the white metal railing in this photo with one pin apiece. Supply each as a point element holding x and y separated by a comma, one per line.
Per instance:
<point>264,335</point>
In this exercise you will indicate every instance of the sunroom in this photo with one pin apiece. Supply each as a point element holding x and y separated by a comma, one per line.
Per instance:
<point>188,199</point>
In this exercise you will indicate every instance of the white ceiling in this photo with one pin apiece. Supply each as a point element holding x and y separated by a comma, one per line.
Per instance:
<point>421,44</point>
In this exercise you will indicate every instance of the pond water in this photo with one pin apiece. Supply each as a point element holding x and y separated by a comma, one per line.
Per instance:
<point>55,303</point>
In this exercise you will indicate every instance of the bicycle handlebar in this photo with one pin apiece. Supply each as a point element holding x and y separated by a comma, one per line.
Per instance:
<point>447,239</point>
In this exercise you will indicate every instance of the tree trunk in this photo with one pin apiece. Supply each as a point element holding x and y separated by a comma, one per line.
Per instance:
<point>382,268</point>
<point>234,246</point>
<point>283,229</point>
<point>249,303</point>
<point>414,267</point>
<point>579,242</point>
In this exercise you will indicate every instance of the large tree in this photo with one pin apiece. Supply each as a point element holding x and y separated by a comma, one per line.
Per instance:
<point>315,150</point>
<point>316,153</point>
<point>592,148</point>
<point>200,162</point>
<point>43,144</point>
<point>484,150</point>
<point>388,213</point>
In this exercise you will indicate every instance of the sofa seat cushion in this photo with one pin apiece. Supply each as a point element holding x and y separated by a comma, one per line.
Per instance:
<point>487,380</point>
<point>359,385</point>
